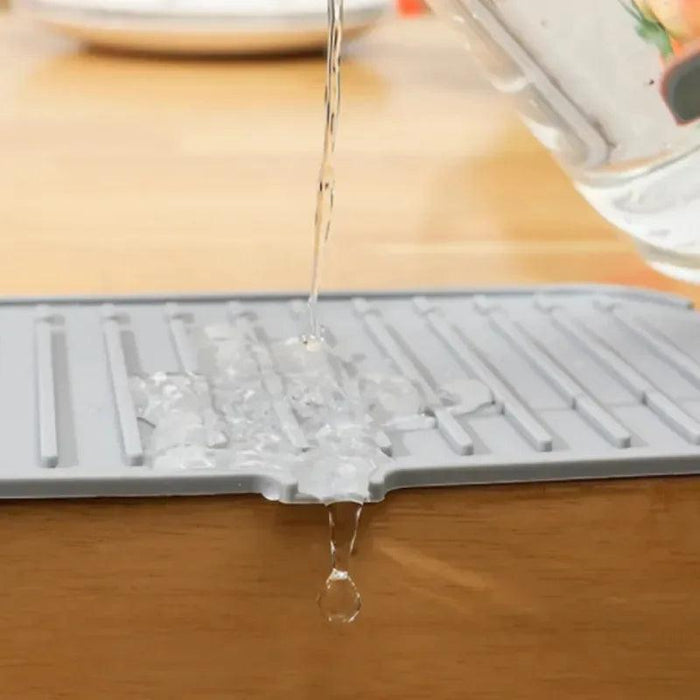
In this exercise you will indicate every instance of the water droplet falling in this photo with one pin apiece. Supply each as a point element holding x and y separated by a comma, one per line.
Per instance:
<point>339,599</point>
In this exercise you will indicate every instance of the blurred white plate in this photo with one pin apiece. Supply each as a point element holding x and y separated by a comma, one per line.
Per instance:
<point>201,26</point>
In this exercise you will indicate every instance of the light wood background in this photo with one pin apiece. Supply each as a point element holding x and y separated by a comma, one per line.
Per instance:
<point>126,174</point>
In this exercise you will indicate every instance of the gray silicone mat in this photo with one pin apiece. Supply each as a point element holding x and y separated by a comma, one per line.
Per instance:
<point>591,382</point>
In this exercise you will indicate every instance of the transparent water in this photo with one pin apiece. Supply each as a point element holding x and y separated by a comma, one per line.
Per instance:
<point>294,406</point>
<point>659,207</point>
<point>339,600</point>
<point>326,178</point>
<point>297,408</point>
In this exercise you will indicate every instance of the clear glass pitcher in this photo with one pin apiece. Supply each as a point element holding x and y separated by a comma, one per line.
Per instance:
<point>612,88</point>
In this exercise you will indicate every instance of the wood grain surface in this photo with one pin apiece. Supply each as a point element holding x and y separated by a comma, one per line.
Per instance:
<point>124,174</point>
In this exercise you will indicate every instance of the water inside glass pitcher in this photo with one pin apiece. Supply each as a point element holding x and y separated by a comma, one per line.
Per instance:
<point>612,89</point>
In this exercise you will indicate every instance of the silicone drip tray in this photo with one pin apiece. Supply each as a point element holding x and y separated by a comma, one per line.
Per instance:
<point>590,382</point>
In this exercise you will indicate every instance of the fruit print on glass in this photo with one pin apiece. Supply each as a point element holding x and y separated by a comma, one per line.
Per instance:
<point>673,26</point>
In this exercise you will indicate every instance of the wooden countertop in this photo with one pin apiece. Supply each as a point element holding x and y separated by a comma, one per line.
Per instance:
<point>126,174</point>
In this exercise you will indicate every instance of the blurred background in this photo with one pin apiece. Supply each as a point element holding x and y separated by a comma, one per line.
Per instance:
<point>132,163</point>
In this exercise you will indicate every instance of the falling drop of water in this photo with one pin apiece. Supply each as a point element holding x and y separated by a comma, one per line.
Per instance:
<point>339,599</point>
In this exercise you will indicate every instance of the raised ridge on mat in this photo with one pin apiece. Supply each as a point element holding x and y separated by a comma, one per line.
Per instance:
<point>46,388</point>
